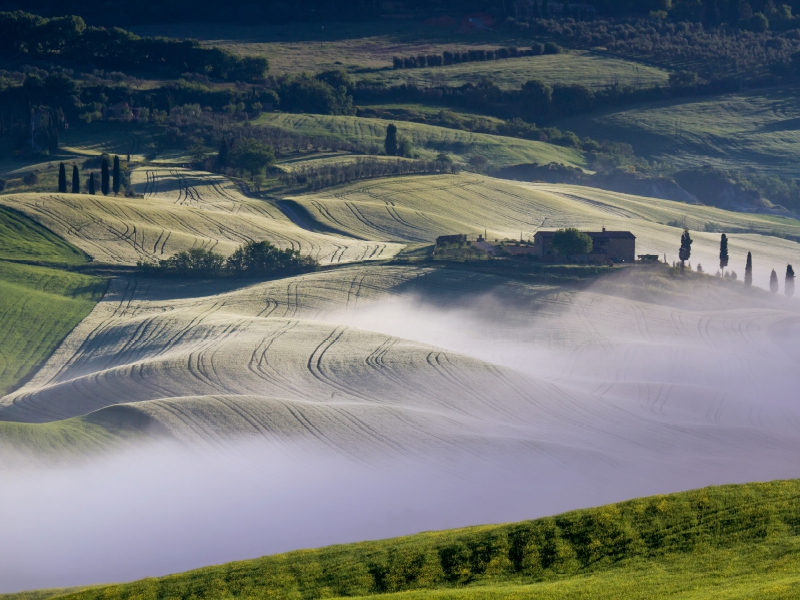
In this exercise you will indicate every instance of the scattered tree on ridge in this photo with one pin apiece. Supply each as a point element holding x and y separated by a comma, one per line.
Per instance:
<point>748,271</point>
<point>62,178</point>
<point>116,177</point>
<point>390,143</point>
<point>90,185</point>
<point>76,180</point>
<point>788,287</point>
<point>723,252</point>
<point>686,248</point>
<point>773,282</point>
<point>569,242</point>
<point>104,183</point>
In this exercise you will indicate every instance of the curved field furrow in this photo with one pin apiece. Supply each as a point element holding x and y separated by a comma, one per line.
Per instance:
<point>182,210</point>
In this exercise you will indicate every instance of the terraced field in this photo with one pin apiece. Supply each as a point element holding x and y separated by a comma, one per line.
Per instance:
<point>757,130</point>
<point>181,210</point>
<point>428,140</point>
<point>419,209</point>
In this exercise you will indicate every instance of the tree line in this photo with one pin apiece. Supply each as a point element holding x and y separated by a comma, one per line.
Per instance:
<point>253,259</point>
<point>467,56</point>
<point>112,179</point>
<point>29,36</point>
<point>314,177</point>
<point>685,253</point>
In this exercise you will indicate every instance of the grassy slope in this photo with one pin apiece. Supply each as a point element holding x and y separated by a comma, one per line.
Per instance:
<point>38,305</point>
<point>38,308</point>
<point>366,46</point>
<point>591,69</point>
<point>752,130</point>
<point>724,542</point>
<point>22,239</point>
<point>428,140</point>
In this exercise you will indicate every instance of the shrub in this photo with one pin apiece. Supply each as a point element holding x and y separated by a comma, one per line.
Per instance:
<point>551,48</point>
<point>262,258</point>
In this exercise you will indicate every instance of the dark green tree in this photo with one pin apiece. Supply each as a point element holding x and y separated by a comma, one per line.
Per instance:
<point>748,271</point>
<point>545,10</point>
<point>116,176</point>
<point>566,12</point>
<point>223,156</point>
<point>262,258</point>
<point>788,287</point>
<point>773,282</point>
<point>104,182</point>
<point>390,143</point>
<point>252,156</point>
<point>76,180</point>
<point>685,251</point>
<point>62,179</point>
<point>723,252</point>
<point>90,184</point>
<point>569,242</point>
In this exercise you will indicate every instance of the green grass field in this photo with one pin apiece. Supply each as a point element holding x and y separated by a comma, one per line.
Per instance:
<point>428,140</point>
<point>758,130</point>
<point>592,69</point>
<point>737,541</point>
<point>38,307</point>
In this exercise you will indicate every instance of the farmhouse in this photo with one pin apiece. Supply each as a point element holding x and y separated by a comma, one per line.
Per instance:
<point>617,246</point>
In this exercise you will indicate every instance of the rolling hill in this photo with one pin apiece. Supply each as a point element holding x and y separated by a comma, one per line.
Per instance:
<point>756,130</point>
<point>181,210</point>
<point>428,140</point>
<point>726,542</point>
<point>418,209</point>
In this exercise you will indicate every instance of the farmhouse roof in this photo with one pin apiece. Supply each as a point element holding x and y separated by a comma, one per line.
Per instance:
<point>596,234</point>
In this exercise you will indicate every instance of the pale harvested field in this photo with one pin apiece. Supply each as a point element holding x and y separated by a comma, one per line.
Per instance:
<point>181,210</point>
<point>418,209</point>
<point>368,361</point>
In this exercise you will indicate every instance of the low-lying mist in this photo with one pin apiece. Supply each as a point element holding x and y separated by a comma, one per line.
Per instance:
<point>642,398</point>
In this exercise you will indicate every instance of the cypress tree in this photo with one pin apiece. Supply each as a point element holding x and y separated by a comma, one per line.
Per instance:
<point>748,271</point>
<point>90,185</point>
<point>685,251</point>
<point>723,252</point>
<point>116,178</point>
<point>788,287</point>
<point>223,156</point>
<point>76,180</point>
<point>773,282</point>
<point>390,144</point>
<point>536,13</point>
<point>62,179</point>
<point>566,12</point>
<point>545,9</point>
<point>104,183</point>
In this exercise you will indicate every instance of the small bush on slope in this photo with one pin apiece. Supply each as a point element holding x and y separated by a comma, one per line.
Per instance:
<point>742,535</point>
<point>254,258</point>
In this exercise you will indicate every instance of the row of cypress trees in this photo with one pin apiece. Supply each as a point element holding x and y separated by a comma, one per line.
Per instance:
<point>686,250</point>
<point>108,181</point>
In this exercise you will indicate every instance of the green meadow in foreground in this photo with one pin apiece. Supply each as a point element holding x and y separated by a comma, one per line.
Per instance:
<point>735,541</point>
